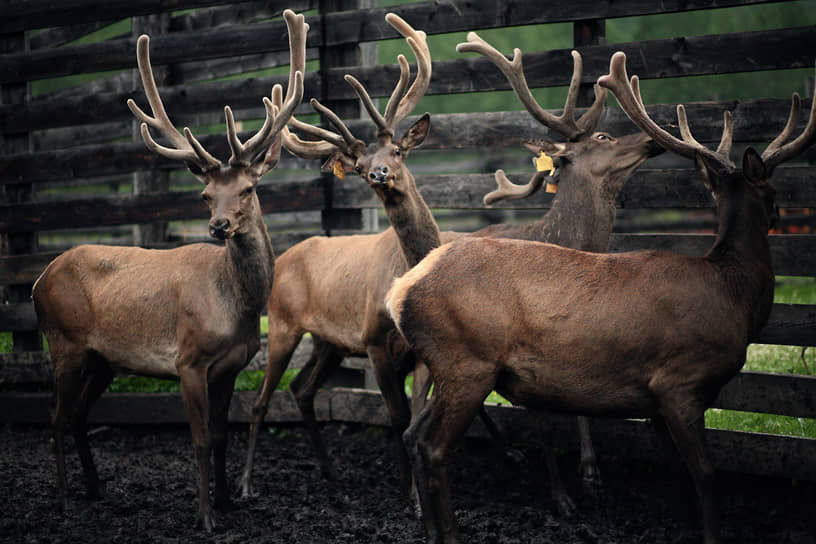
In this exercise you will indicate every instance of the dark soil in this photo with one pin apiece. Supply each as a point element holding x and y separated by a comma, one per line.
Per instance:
<point>151,495</point>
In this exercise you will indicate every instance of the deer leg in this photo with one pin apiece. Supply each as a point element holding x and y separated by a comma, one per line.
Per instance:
<point>67,387</point>
<point>97,377</point>
<point>281,347</point>
<point>220,395</point>
<point>588,466</point>
<point>324,360</point>
<point>559,492</point>
<point>194,393</point>
<point>431,439</point>
<point>686,425</point>
<point>393,392</point>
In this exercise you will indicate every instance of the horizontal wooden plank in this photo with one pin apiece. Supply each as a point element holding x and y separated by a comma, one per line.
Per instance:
<point>755,120</point>
<point>24,15</point>
<point>780,394</point>
<point>31,14</point>
<point>767,455</point>
<point>125,210</point>
<point>245,39</point>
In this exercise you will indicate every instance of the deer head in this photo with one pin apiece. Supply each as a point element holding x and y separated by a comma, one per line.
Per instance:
<point>601,156</point>
<point>382,163</point>
<point>229,187</point>
<point>719,173</point>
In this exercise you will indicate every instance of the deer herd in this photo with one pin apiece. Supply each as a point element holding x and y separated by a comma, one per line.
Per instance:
<point>539,312</point>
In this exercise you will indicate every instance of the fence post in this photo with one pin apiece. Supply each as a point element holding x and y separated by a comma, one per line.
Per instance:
<point>588,32</point>
<point>12,142</point>
<point>156,180</point>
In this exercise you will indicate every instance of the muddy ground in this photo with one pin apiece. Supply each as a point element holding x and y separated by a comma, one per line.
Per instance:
<point>151,495</point>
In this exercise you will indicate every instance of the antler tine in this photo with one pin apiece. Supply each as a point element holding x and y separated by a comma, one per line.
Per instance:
<point>777,153</point>
<point>183,147</point>
<point>510,191</point>
<point>727,136</point>
<point>383,130</point>
<point>306,149</point>
<point>274,122</point>
<point>418,42</point>
<point>631,102</point>
<point>514,72</point>
<point>399,91</point>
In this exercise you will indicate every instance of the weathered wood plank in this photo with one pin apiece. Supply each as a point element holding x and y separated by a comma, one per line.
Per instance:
<point>767,455</point>
<point>755,121</point>
<point>694,55</point>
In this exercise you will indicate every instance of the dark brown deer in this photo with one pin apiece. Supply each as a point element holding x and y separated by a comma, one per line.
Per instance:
<point>641,334</point>
<point>190,313</point>
<point>344,278</point>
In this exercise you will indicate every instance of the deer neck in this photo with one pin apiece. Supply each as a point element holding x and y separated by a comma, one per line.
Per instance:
<point>742,254</point>
<point>413,223</point>
<point>249,265</point>
<point>581,215</point>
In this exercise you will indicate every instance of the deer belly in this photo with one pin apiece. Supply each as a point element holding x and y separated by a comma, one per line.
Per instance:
<point>566,389</point>
<point>151,359</point>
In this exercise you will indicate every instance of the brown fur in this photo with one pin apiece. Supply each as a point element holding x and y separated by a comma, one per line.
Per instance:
<point>644,334</point>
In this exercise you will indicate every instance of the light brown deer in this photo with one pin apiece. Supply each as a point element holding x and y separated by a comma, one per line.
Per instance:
<point>345,278</point>
<point>641,334</point>
<point>190,313</point>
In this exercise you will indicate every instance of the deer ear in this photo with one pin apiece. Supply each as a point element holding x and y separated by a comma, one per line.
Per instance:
<point>705,171</point>
<point>416,134</point>
<point>753,168</point>
<point>330,166</point>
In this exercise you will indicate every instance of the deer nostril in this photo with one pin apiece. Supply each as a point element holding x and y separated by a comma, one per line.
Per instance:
<point>219,228</point>
<point>372,175</point>
<point>384,169</point>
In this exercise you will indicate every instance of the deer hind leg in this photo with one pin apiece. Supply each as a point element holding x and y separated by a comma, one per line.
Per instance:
<point>324,360</point>
<point>97,376</point>
<point>432,437</point>
<point>194,393</point>
<point>684,419</point>
<point>68,385</point>
<point>281,346</point>
<point>422,385</point>
<point>559,492</point>
<point>588,466</point>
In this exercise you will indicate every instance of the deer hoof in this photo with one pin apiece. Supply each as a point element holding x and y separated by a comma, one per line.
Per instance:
<point>565,505</point>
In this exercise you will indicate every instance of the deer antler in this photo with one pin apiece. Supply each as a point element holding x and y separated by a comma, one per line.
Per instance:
<point>777,153</point>
<point>628,95</point>
<point>187,148</point>
<point>565,123</point>
<point>402,101</point>
<point>514,72</point>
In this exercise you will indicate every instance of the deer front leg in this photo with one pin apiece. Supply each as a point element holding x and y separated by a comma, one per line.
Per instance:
<point>562,500</point>
<point>281,347</point>
<point>324,360</point>
<point>67,387</point>
<point>220,396</point>
<point>97,378</point>
<point>196,404</point>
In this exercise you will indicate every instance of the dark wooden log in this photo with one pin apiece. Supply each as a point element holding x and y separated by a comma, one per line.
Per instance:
<point>54,37</point>
<point>767,455</point>
<point>756,120</point>
<point>695,55</point>
<point>137,209</point>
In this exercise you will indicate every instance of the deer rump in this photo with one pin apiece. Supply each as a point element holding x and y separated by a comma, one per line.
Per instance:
<point>580,333</point>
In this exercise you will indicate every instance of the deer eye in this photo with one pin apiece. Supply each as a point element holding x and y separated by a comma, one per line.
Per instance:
<point>248,191</point>
<point>358,168</point>
<point>602,137</point>
<point>397,151</point>
<point>205,197</point>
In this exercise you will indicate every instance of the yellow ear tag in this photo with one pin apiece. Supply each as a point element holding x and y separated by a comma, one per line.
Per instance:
<point>543,163</point>
<point>338,170</point>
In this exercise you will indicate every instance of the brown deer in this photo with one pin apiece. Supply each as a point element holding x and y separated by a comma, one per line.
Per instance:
<point>642,334</point>
<point>344,278</point>
<point>190,313</point>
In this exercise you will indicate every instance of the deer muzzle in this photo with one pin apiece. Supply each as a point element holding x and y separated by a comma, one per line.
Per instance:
<point>219,228</point>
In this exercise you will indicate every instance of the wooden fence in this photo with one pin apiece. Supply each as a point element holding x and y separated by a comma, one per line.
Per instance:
<point>74,170</point>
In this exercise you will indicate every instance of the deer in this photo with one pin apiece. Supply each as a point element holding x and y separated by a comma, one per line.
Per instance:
<point>190,313</point>
<point>647,334</point>
<point>594,168</point>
